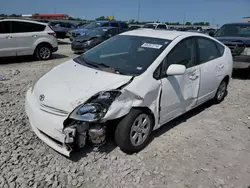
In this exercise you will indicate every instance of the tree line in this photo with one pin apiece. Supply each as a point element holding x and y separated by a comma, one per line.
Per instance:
<point>103,18</point>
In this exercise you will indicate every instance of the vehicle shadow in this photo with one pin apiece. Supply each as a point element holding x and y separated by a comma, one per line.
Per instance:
<point>110,145</point>
<point>27,59</point>
<point>183,118</point>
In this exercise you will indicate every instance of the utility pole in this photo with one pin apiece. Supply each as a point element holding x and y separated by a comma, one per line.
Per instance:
<point>138,13</point>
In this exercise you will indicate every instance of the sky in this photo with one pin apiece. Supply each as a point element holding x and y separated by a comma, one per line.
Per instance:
<point>213,11</point>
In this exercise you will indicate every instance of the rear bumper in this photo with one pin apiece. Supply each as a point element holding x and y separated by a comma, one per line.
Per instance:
<point>78,48</point>
<point>48,127</point>
<point>55,49</point>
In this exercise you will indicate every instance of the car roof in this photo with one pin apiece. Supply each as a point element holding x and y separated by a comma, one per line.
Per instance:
<point>238,23</point>
<point>22,20</point>
<point>155,23</point>
<point>105,27</point>
<point>163,34</point>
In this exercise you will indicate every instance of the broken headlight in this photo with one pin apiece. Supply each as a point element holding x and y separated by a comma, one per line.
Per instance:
<point>96,107</point>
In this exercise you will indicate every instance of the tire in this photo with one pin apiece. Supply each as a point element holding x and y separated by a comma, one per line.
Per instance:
<point>129,127</point>
<point>221,92</point>
<point>43,52</point>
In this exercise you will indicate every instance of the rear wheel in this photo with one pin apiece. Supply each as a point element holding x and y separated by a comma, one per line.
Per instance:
<point>43,52</point>
<point>133,132</point>
<point>221,92</point>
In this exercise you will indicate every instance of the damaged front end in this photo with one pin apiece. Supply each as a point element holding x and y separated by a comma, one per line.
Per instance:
<point>85,122</point>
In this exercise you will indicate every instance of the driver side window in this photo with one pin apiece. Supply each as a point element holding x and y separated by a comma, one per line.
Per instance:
<point>184,53</point>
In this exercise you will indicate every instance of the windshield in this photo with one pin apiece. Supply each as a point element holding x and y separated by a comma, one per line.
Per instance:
<point>152,26</point>
<point>129,55</point>
<point>82,26</point>
<point>233,31</point>
<point>93,25</point>
<point>97,32</point>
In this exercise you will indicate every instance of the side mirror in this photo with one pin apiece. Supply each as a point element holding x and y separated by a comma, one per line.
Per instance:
<point>176,69</point>
<point>211,34</point>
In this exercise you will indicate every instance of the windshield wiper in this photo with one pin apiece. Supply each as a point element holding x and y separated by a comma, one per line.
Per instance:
<point>111,68</point>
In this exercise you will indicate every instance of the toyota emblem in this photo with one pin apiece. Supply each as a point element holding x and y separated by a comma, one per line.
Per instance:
<point>41,97</point>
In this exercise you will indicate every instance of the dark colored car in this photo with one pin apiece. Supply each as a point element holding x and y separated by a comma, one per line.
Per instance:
<point>237,37</point>
<point>94,37</point>
<point>122,26</point>
<point>133,27</point>
<point>62,28</point>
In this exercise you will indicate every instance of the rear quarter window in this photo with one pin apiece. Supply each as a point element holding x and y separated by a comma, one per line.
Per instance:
<point>220,48</point>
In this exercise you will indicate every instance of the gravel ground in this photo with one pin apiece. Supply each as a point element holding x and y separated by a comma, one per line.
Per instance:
<point>207,147</point>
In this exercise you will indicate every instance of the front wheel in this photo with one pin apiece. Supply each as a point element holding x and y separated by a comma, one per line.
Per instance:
<point>43,52</point>
<point>133,132</point>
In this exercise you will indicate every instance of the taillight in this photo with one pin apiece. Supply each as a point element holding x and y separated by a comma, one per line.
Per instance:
<point>52,33</point>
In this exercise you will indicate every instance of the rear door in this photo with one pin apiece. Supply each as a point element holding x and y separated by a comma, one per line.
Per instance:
<point>7,42</point>
<point>26,34</point>
<point>209,58</point>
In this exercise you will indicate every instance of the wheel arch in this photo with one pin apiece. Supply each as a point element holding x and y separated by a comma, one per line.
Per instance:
<point>148,111</point>
<point>42,43</point>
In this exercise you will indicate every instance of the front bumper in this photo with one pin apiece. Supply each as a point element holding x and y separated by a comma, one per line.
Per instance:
<point>79,47</point>
<point>48,127</point>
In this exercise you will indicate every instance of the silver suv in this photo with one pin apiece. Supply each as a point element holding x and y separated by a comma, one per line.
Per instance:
<point>25,37</point>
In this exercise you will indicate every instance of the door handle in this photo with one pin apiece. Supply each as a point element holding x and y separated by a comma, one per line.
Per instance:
<point>221,66</point>
<point>9,37</point>
<point>34,35</point>
<point>193,77</point>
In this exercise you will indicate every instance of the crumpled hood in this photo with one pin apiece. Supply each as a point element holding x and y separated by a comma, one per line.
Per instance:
<point>228,40</point>
<point>82,38</point>
<point>71,84</point>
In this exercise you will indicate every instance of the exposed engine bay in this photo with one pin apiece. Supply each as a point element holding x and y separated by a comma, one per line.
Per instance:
<point>84,123</point>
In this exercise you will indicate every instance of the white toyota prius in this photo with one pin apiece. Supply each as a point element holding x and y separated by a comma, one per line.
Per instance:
<point>136,81</point>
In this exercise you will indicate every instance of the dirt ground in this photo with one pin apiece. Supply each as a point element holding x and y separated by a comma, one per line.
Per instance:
<point>207,147</point>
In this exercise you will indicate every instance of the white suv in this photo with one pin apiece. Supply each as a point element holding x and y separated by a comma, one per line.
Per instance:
<point>25,37</point>
<point>155,26</point>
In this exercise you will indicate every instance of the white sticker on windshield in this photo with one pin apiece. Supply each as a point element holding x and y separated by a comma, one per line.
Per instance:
<point>148,45</point>
<point>139,68</point>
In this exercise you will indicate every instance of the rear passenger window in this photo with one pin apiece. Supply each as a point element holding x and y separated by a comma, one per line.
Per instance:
<point>105,24</point>
<point>4,27</point>
<point>207,50</point>
<point>123,25</point>
<point>162,27</point>
<point>114,24</point>
<point>220,47</point>
<point>25,27</point>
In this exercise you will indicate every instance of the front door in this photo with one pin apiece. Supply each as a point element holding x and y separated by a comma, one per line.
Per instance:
<point>180,93</point>
<point>7,42</point>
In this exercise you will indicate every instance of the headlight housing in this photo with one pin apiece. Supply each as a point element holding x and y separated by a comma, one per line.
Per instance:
<point>96,107</point>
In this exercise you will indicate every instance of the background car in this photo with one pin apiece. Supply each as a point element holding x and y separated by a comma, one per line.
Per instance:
<point>23,37</point>
<point>155,26</point>
<point>61,28</point>
<point>132,27</point>
<point>122,26</point>
<point>237,37</point>
<point>94,37</point>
